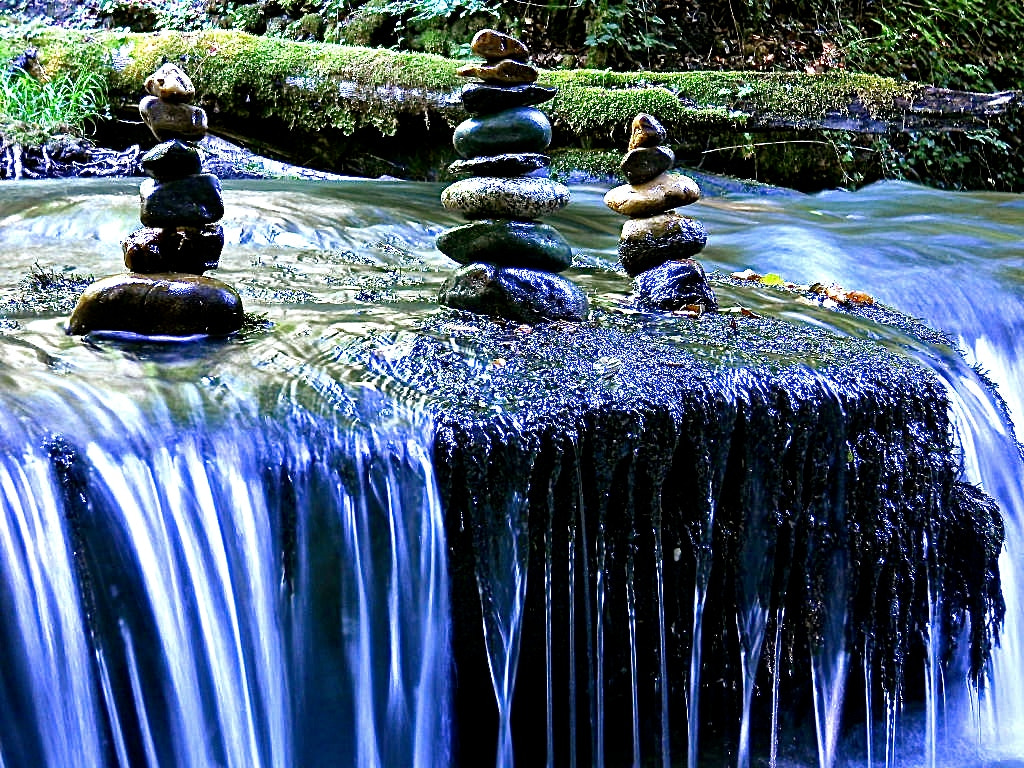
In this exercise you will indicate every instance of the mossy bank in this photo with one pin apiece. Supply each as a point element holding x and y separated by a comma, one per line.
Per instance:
<point>371,111</point>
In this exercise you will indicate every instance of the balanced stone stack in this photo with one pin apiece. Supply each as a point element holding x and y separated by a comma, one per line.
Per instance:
<point>511,258</point>
<point>165,293</point>
<point>657,244</point>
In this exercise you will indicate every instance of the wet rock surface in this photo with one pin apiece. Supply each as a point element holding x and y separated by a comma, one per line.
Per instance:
<point>162,304</point>
<point>507,244</point>
<point>522,295</point>
<point>647,243</point>
<point>522,129</point>
<point>521,197</point>
<point>674,285</point>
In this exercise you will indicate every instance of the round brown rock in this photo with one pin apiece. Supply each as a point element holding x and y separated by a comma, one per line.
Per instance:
<point>492,44</point>
<point>170,83</point>
<point>164,304</point>
<point>649,242</point>
<point>660,194</point>
<point>150,250</point>
<point>168,120</point>
<point>522,198</point>
<point>505,72</point>
<point>646,131</point>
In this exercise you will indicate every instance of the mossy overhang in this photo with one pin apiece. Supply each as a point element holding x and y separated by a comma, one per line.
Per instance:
<point>312,87</point>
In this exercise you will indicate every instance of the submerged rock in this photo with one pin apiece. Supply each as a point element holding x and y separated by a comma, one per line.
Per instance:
<point>648,242</point>
<point>522,129</point>
<point>163,304</point>
<point>674,285</point>
<point>521,295</point>
<point>522,197</point>
<point>507,244</point>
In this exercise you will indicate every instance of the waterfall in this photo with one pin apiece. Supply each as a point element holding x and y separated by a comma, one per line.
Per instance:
<point>195,585</point>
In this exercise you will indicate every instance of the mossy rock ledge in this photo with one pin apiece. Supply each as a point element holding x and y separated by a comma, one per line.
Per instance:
<point>609,460</point>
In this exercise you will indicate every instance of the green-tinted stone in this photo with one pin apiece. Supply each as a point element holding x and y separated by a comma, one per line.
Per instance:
<point>511,164</point>
<point>194,201</point>
<point>158,305</point>
<point>507,244</point>
<point>522,197</point>
<point>484,99</point>
<point>646,163</point>
<point>172,159</point>
<point>649,242</point>
<point>523,129</point>
<point>521,295</point>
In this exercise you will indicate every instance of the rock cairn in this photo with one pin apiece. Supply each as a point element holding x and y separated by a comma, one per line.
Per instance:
<point>510,258</point>
<point>657,244</point>
<point>165,293</point>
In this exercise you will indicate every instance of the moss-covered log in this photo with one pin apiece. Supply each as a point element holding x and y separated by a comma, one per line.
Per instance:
<point>355,109</point>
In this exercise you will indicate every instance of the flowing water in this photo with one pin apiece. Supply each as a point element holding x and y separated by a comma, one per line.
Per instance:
<point>178,596</point>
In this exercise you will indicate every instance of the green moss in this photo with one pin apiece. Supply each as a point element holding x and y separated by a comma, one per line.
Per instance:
<point>592,162</point>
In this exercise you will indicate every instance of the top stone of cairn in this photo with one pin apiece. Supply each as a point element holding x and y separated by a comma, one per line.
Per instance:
<point>646,131</point>
<point>494,45</point>
<point>170,83</point>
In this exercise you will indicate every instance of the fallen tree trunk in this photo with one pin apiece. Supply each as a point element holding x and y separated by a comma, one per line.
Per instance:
<point>362,110</point>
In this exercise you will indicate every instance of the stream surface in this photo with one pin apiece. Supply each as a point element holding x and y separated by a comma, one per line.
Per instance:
<point>209,640</point>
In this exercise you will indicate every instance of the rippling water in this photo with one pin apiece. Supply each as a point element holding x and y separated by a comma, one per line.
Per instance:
<point>329,262</point>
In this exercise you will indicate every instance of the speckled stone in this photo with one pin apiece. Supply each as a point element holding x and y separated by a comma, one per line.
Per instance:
<point>519,130</point>
<point>522,198</point>
<point>158,305</point>
<point>172,159</point>
<point>492,44</point>
<point>168,120</point>
<point>649,242</point>
<point>646,131</point>
<point>484,99</point>
<point>646,163</point>
<point>507,244</point>
<point>509,164</point>
<point>674,285</point>
<point>194,251</point>
<point>170,83</point>
<point>505,72</point>
<point>520,295</point>
<point>194,201</point>
<point>660,194</point>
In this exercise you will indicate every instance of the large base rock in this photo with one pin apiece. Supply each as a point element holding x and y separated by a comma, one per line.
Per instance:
<point>169,304</point>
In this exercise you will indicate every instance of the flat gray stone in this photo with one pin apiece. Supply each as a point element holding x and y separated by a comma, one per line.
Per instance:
<point>522,198</point>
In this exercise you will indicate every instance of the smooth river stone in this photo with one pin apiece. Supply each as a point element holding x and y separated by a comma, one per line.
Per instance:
<point>660,194</point>
<point>490,197</point>
<point>648,242</point>
<point>507,244</point>
<point>194,201</point>
<point>164,304</point>
<point>511,164</point>
<point>170,83</point>
<point>517,294</point>
<point>168,120</point>
<point>484,99</point>
<point>646,163</point>
<point>523,129</point>
<point>505,72</point>
<point>646,131</point>
<point>674,285</point>
<point>149,250</point>
<point>492,44</point>
<point>172,159</point>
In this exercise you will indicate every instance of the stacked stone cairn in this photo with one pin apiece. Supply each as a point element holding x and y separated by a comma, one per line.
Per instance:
<point>657,244</point>
<point>165,293</point>
<point>511,258</point>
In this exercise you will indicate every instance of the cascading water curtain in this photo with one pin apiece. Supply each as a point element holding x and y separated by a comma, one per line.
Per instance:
<point>211,589</point>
